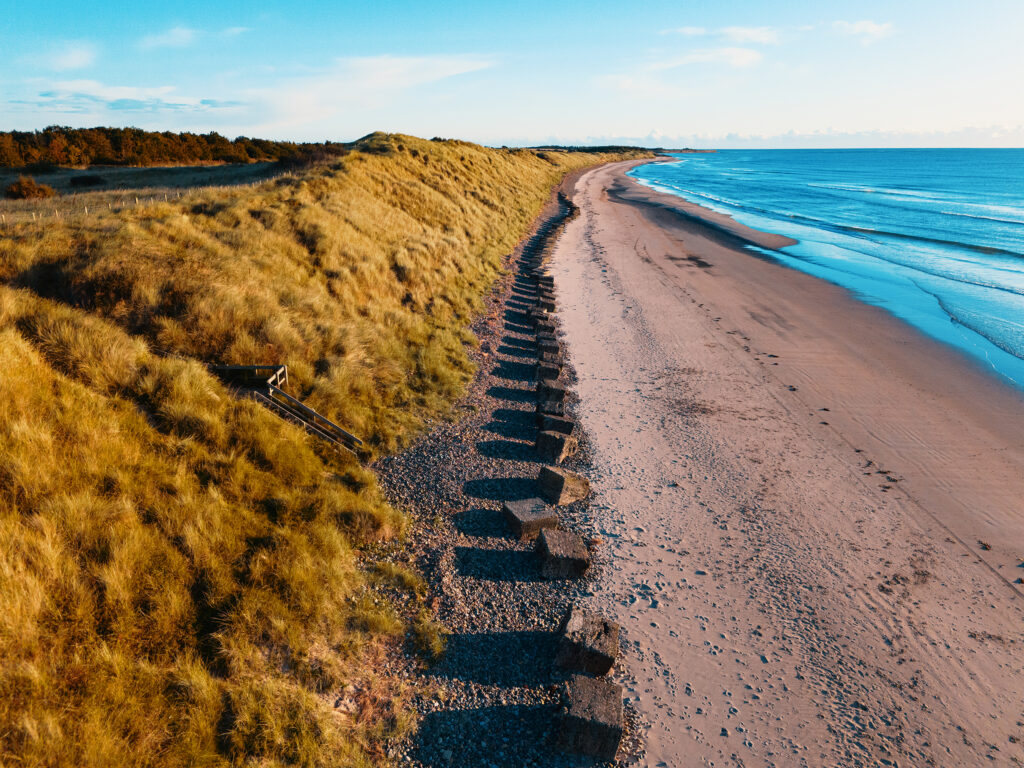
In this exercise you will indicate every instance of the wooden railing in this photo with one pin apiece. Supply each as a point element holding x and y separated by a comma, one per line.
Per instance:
<point>264,383</point>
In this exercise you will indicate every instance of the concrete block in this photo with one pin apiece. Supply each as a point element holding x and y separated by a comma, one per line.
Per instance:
<point>557,424</point>
<point>591,718</point>
<point>547,371</point>
<point>550,346</point>
<point>549,389</point>
<point>550,408</point>
<point>554,447</point>
<point>588,642</point>
<point>559,486</point>
<point>527,517</point>
<point>561,554</point>
<point>546,304</point>
<point>546,358</point>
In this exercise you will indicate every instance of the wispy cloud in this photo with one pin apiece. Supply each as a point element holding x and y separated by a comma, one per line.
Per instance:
<point>236,31</point>
<point>175,37</point>
<point>762,35</point>
<point>92,96</point>
<point>737,58</point>
<point>867,31</point>
<point>366,83</point>
<point>758,35</point>
<point>685,31</point>
<point>75,55</point>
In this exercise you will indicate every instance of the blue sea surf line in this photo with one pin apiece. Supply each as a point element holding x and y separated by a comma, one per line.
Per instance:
<point>933,236</point>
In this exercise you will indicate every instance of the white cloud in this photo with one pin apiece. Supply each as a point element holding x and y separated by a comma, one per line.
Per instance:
<point>763,35</point>
<point>109,92</point>
<point>362,83</point>
<point>91,97</point>
<point>737,58</point>
<point>176,37</point>
<point>72,56</point>
<point>236,31</point>
<point>867,31</point>
<point>685,31</point>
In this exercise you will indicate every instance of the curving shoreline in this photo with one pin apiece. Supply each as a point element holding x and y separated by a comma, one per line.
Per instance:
<point>812,510</point>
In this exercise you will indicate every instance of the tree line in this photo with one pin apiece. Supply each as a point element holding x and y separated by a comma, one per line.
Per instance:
<point>61,146</point>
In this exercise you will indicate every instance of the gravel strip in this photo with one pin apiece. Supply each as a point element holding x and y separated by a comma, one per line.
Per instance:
<point>492,698</point>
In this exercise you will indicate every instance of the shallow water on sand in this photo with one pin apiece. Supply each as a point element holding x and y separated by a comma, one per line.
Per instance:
<point>934,236</point>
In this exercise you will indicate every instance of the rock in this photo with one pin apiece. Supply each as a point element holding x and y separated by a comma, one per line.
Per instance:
<point>526,518</point>
<point>562,554</point>
<point>549,347</point>
<point>546,358</point>
<point>550,423</point>
<point>560,486</point>
<point>546,371</point>
<point>554,447</point>
<point>590,722</point>
<point>549,389</point>
<point>549,408</point>
<point>588,643</point>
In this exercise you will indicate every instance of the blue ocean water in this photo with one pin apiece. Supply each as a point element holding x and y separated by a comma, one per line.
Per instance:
<point>934,236</point>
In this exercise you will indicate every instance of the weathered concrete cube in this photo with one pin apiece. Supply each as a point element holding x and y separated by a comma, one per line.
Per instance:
<point>527,517</point>
<point>590,722</point>
<point>544,410</point>
<point>557,424</point>
<point>549,346</point>
<point>546,371</point>
<point>551,408</point>
<point>546,358</point>
<point>554,447</point>
<point>546,327</point>
<point>588,642</point>
<point>562,554</point>
<point>546,304</point>
<point>549,389</point>
<point>560,486</point>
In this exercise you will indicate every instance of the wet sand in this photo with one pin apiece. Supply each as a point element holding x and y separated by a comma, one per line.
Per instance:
<point>813,516</point>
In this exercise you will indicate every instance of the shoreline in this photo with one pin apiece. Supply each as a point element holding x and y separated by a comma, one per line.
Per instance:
<point>738,235</point>
<point>812,509</point>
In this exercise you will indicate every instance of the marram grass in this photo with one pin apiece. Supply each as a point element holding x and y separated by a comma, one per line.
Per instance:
<point>184,578</point>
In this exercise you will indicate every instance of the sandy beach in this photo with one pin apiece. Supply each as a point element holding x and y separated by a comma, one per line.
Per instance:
<point>811,514</point>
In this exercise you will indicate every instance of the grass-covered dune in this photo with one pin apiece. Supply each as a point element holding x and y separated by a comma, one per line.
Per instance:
<point>184,578</point>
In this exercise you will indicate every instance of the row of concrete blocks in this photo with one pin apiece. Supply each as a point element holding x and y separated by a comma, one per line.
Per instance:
<point>590,720</point>
<point>556,439</point>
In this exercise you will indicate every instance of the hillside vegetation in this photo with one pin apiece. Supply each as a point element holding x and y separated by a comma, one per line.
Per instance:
<point>186,579</point>
<point>62,146</point>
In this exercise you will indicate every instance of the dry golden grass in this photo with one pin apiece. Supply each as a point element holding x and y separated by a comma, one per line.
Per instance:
<point>185,579</point>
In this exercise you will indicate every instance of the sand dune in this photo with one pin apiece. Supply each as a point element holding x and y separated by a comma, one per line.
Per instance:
<point>812,513</point>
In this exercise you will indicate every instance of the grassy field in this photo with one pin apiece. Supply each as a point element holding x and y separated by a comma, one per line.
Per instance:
<point>185,579</point>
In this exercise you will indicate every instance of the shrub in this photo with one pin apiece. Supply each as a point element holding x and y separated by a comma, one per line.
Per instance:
<point>86,180</point>
<point>27,188</point>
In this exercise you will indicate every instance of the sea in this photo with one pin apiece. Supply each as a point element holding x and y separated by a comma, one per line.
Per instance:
<point>933,236</point>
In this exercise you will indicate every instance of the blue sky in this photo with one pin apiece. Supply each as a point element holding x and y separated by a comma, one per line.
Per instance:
<point>744,73</point>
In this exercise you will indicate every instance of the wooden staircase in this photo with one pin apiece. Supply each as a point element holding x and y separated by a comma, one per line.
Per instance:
<point>263,383</point>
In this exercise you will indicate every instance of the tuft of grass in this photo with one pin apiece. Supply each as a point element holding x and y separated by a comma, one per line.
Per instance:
<point>187,579</point>
<point>429,635</point>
